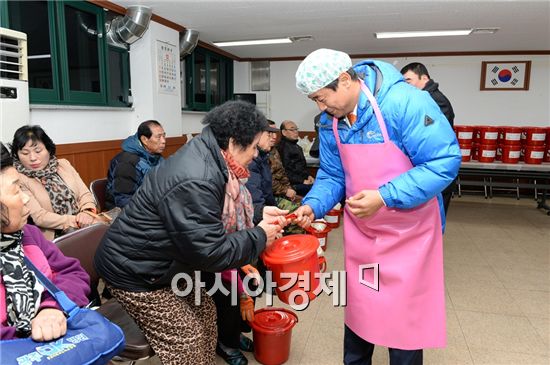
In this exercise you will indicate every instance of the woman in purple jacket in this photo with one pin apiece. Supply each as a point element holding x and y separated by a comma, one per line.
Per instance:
<point>26,308</point>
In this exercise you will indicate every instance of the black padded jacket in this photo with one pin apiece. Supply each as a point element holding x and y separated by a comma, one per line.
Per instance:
<point>173,224</point>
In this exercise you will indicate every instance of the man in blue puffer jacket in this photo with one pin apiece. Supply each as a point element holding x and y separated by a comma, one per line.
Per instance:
<point>140,152</point>
<point>387,148</point>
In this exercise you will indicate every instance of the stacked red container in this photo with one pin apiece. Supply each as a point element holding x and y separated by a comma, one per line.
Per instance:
<point>465,135</point>
<point>509,144</point>
<point>506,144</point>
<point>487,137</point>
<point>510,135</point>
<point>535,147</point>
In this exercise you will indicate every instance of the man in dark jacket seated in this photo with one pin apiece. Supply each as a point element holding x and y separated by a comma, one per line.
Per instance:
<point>293,158</point>
<point>260,181</point>
<point>140,152</point>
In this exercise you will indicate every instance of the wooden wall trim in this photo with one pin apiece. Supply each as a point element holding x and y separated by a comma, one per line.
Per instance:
<point>220,51</point>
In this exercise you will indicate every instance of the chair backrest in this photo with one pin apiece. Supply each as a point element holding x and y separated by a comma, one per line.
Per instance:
<point>82,245</point>
<point>98,187</point>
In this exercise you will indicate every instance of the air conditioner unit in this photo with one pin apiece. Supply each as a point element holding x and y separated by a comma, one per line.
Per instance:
<point>14,85</point>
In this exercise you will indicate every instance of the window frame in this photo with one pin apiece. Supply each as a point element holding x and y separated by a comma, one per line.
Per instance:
<point>83,97</point>
<point>61,94</point>
<point>225,68</point>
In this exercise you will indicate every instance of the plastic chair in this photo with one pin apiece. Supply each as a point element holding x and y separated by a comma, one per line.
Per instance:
<point>82,245</point>
<point>98,188</point>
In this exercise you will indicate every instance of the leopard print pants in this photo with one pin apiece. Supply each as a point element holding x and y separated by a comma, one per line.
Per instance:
<point>179,331</point>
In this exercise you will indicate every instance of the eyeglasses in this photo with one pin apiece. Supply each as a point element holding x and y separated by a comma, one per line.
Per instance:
<point>291,129</point>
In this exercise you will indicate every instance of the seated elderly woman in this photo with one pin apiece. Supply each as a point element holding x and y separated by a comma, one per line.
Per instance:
<point>59,198</point>
<point>188,216</point>
<point>25,307</point>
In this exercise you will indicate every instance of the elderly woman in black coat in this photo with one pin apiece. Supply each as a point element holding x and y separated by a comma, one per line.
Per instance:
<point>175,224</point>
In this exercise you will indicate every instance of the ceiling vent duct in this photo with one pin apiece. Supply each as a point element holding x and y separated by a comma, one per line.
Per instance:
<point>188,42</point>
<point>123,31</point>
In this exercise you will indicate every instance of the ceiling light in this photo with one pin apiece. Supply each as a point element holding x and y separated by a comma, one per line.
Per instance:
<point>428,33</point>
<point>485,30</point>
<point>253,42</point>
<point>301,38</point>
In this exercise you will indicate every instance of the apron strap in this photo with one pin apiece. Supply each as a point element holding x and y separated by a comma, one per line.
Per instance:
<point>377,113</point>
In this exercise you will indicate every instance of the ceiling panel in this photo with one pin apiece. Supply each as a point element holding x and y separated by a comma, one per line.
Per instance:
<point>349,25</point>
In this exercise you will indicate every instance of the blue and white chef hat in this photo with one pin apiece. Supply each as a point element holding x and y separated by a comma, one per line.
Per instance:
<point>320,68</point>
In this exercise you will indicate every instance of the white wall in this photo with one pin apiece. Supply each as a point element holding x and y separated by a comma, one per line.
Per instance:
<point>459,79</point>
<point>82,124</point>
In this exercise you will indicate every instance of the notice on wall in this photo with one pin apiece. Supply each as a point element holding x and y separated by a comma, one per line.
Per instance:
<point>167,59</point>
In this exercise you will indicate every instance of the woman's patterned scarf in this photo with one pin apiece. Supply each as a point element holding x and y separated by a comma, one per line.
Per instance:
<point>61,196</point>
<point>238,210</point>
<point>23,291</point>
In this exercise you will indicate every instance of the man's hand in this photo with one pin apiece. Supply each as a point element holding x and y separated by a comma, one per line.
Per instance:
<point>290,193</point>
<point>365,203</point>
<point>310,180</point>
<point>49,324</point>
<point>304,216</point>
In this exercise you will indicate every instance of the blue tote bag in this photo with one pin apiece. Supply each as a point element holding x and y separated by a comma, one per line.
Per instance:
<point>91,339</point>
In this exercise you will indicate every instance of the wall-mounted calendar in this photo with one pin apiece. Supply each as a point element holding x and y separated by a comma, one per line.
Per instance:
<point>167,59</point>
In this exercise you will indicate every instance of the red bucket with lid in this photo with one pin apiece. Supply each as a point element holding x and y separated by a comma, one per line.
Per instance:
<point>464,133</point>
<point>509,153</point>
<point>320,230</point>
<point>534,136</point>
<point>534,155</point>
<point>465,151</point>
<point>548,136</point>
<point>510,135</point>
<point>487,153</point>
<point>487,134</point>
<point>294,254</point>
<point>272,334</point>
<point>333,218</point>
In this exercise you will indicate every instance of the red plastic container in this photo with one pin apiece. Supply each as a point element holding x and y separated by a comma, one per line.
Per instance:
<point>333,218</point>
<point>294,254</point>
<point>510,135</point>
<point>487,153</point>
<point>509,153</point>
<point>466,151</point>
<point>272,334</point>
<point>487,134</point>
<point>464,133</point>
<point>534,154</point>
<point>548,136</point>
<point>534,136</point>
<point>320,230</point>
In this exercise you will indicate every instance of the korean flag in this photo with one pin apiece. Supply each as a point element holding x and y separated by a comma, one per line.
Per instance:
<point>505,75</point>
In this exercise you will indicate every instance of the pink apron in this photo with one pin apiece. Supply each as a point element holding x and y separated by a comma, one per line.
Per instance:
<point>407,310</point>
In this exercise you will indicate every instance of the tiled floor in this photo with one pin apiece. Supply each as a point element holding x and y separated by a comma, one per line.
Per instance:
<point>497,274</point>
